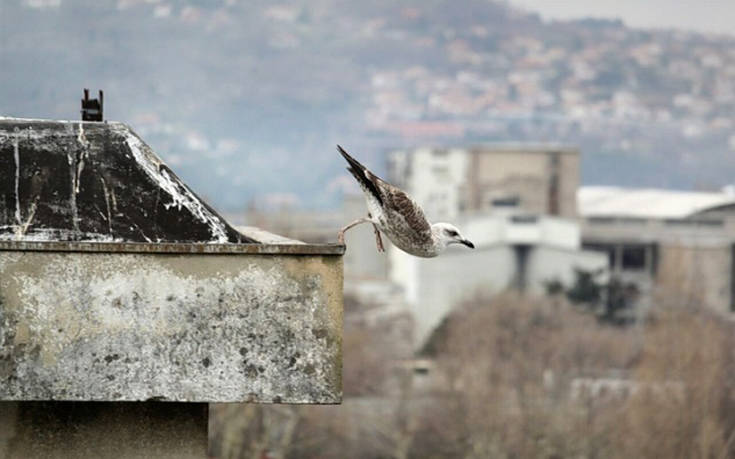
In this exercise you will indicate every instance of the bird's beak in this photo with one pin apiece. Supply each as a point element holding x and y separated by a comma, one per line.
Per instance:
<point>467,243</point>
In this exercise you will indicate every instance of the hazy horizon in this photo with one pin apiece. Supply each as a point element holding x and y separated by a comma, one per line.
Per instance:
<point>256,94</point>
<point>712,16</point>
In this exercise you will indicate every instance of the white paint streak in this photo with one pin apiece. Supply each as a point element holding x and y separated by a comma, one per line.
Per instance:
<point>179,194</point>
<point>55,234</point>
<point>107,201</point>
<point>73,196</point>
<point>25,120</point>
<point>23,228</point>
<point>114,200</point>
<point>82,139</point>
<point>16,155</point>
<point>140,231</point>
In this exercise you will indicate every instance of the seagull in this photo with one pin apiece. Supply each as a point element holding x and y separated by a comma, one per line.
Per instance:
<point>392,212</point>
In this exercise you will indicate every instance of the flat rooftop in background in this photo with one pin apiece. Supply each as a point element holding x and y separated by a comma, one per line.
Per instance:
<point>610,201</point>
<point>510,147</point>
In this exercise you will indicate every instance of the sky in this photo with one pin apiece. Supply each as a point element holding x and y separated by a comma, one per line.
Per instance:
<point>714,16</point>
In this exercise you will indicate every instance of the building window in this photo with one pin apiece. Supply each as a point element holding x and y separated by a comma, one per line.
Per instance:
<point>554,194</point>
<point>600,220</point>
<point>634,258</point>
<point>524,219</point>
<point>693,222</point>
<point>678,222</point>
<point>632,220</point>
<point>506,201</point>
<point>554,205</point>
<point>606,248</point>
<point>710,222</point>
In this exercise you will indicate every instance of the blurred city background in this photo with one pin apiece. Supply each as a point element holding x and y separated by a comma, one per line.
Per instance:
<point>586,148</point>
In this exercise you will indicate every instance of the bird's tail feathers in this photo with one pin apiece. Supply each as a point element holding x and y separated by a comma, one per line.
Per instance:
<point>362,175</point>
<point>353,162</point>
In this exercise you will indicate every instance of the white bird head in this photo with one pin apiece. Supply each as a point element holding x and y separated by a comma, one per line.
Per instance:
<point>446,233</point>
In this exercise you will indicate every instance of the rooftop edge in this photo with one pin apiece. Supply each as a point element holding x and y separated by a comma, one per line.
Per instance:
<point>173,248</point>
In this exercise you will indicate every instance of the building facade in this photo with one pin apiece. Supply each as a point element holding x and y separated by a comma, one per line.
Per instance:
<point>535,178</point>
<point>676,246</point>
<point>521,252</point>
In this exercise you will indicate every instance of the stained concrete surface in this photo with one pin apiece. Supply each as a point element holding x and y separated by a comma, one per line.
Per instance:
<point>102,430</point>
<point>177,327</point>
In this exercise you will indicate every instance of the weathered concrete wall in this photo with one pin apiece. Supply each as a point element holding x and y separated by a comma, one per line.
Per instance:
<point>102,430</point>
<point>230,326</point>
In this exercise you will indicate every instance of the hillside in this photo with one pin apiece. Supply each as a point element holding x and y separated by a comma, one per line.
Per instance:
<point>247,99</point>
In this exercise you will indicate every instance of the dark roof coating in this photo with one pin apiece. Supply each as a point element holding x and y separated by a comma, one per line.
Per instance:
<point>92,181</point>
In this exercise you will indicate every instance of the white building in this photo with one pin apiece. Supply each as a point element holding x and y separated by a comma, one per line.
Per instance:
<point>513,251</point>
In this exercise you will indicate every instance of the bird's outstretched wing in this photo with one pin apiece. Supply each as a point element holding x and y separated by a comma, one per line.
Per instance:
<point>402,206</point>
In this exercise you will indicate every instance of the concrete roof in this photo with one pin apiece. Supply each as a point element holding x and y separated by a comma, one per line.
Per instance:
<point>93,181</point>
<point>608,201</point>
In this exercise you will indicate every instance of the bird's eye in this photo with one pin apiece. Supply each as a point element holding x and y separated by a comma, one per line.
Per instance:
<point>452,233</point>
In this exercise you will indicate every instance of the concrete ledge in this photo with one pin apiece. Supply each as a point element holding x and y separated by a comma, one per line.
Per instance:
<point>192,248</point>
<point>176,322</point>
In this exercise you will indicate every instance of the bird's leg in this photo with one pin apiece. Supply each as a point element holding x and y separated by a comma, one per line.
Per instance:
<point>378,239</point>
<point>341,233</point>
